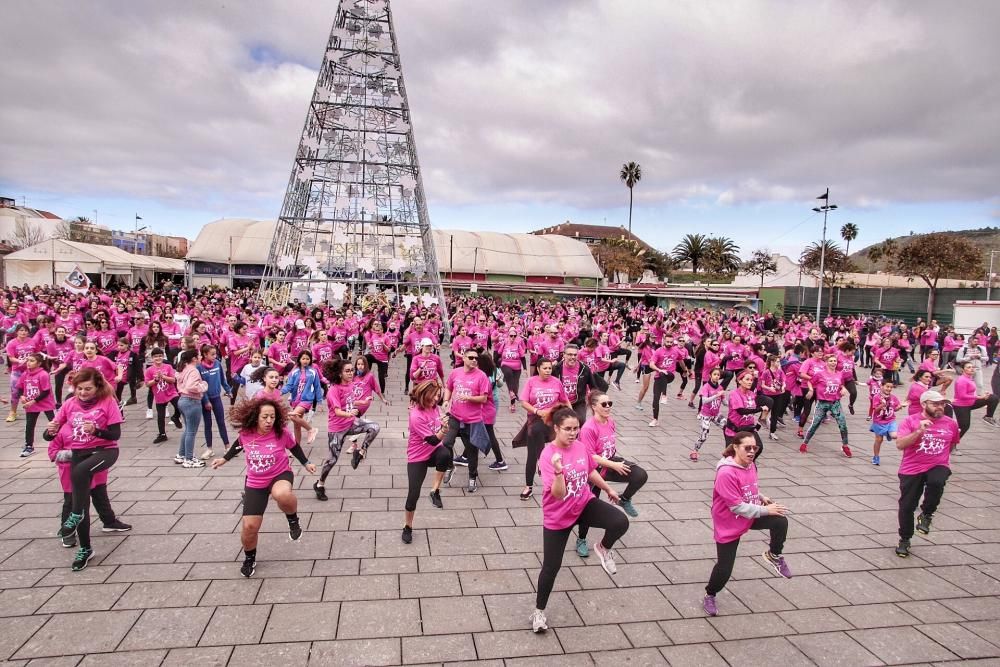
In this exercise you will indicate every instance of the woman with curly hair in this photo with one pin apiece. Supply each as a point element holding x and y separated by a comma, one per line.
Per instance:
<point>427,428</point>
<point>265,440</point>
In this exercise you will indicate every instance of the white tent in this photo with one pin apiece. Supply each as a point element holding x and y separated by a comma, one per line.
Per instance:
<point>51,261</point>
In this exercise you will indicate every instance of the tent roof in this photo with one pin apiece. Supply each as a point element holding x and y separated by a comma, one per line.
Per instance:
<point>61,250</point>
<point>457,251</point>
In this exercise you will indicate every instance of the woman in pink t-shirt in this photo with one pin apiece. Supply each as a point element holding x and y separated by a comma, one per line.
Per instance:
<point>568,473</point>
<point>827,386</point>
<point>427,427</point>
<point>737,507</point>
<point>541,395</point>
<point>35,389</point>
<point>968,398</point>
<point>265,442</point>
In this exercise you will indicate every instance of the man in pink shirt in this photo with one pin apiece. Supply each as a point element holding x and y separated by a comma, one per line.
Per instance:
<point>465,392</point>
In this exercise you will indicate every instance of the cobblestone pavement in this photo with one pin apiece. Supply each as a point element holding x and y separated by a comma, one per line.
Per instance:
<point>350,592</point>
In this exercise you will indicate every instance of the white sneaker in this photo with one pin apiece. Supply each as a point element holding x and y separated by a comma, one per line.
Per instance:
<point>179,459</point>
<point>607,558</point>
<point>652,423</point>
<point>149,413</point>
<point>193,463</point>
<point>207,454</point>
<point>538,621</point>
<point>773,436</point>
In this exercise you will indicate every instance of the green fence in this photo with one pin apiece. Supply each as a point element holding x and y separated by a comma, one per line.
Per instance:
<point>903,303</point>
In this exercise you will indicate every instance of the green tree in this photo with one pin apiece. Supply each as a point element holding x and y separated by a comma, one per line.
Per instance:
<point>761,263</point>
<point>631,174</point>
<point>935,256</point>
<point>722,255</point>
<point>849,232</point>
<point>835,264</point>
<point>623,256</point>
<point>692,248</point>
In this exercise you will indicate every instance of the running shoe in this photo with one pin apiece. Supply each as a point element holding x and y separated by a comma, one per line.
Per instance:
<point>924,523</point>
<point>680,395</point>
<point>708,604</point>
<point>176,421</point>
<point>639,406</point>
<point>538,621</point>
<point>868,418</point>
<point>461,461</point>
<point>850,408</point>
<point>778,564</point>
<point>179,459</point>
<point>116,526</point>
<point>525,495</point>
<point>618,385</point>
<point>69,542</point>
<point>149,413</point>
<point>320,491</point>
<point>773,436</point>
<point>498,465</point>
<point>294,530</point>
<point>27,451</point>
<point>628,508</point>
<point>11,418</point>
<point>652,423</point>
<point>903,549</point>
<point>207,454</point>
<point>473,485</point>
<point>69,526</point>
<point>447,476</point>
<point>436,499</point>
<point>803,448</point>
<point>991,421</point>
<point>693,455</point>
<point>876,460</point>
<point>160,438</point>
<point>131,401</point>
<point>193,463</point>
<point>311,436</point>
<point>607,558</point>
<point>582,550</point>
<point>249,566</point>
<point>663,399</point>
<point>691,405</point>
<point>356,457</point>
<point>83,557</point>
<point>847,451</point>
<point>407,534</point>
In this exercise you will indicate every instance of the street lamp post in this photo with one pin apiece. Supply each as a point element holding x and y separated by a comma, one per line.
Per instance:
<point>825,210</point>
<point>989,275</point>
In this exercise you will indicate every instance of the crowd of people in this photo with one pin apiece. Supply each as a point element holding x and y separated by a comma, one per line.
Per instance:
<point>563,363</point>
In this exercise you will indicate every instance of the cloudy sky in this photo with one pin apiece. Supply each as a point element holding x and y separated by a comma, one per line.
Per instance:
<point>524,111</point>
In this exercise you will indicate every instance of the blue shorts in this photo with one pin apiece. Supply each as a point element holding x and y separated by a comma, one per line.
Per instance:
<point>887,431</point>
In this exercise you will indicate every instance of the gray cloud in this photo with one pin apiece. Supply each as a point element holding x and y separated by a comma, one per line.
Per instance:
<point>517,101</point>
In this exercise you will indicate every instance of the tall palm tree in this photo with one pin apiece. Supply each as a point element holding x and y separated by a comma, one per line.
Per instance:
<point>631,174</point>
<point>849,232</point>
<point>692,248</point>
<point>723,255</point>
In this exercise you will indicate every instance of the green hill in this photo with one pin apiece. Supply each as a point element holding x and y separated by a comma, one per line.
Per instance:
<point>988,238</point>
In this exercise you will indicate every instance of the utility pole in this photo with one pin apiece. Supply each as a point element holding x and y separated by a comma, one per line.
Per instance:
<point>825,210</point>
<point>989,275</point>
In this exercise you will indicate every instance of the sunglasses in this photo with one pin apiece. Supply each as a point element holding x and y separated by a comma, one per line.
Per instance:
<point>749,448</point>
<point>606,404</point>
<point>472,358</point>
<point>569,429</point>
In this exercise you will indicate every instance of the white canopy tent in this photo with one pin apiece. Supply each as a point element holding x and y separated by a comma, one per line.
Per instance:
<point>49,262</point>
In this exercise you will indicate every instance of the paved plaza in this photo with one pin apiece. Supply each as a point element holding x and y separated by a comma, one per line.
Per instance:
<point>350,592</point>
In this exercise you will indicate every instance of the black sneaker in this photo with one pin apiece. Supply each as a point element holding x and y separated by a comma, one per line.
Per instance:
<point>436,499</point>
<point>903,550</point>
<point>473,485</point>
<point>177,423</point>
<point>407,534</point>
<point>115,526</point>
<point>924,523</point>
<point>69,526</point>
<point>83,557</point>
<point>461,461</point>
<point>131,401</point>
<point>356,459</point>
<point>851,408</point>
<point>448,475</point>
<point>69,542</point>
<point>320,491</point>
<point>498,465</point>
<point>249,566</point>
<point>160,438</point>
<point>294,530</point>
<point>27,451</point>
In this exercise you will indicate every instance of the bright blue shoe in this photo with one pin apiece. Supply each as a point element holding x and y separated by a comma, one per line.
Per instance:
<point>629,508</point>
<point>581,548</point>
<point>875,460</point>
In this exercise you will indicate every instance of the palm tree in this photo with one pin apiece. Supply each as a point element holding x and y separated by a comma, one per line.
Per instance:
<point>723,255</point>
<point>692,248</point>
<point>849,232</point>
<point>631,174</point>
<point>875,256</point>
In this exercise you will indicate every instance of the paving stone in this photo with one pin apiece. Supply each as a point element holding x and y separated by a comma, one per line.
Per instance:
<point>834,649</point>
<point>150,572</point>
<point>235,592</point>
<point>758,596</point>
<point>486,582</point>
<point>15,631</point>
<point>806,592</point>
<point>768,651</point>
<point>513,612</point>
<point>923,585</point>
<point>182,657</point>
<point>96,597</point>
<point>24,601</point>
<point>861,587</point>
<point>372,587</point>
<point>168,628</point>
<point>145,595</point>
<point>86,632</point>
<point>901,646</point>
<point>960,641</point>
<point>442,648</point>
<point>429,584</point>
<point>148,549</point>
<point>237,624</point>
<point>309,621</point>
<point>383,618</point>
<point>515,643</point>
<point>268,655</point>
<point>975,609</point>
<point>693,655</point>
<point>814,620</point>
<point>290,589</point>
<point>124,659</point>
<point>610,606</point>
<point>592,638</point>
<point>646,633</point>
<point>356,652</point>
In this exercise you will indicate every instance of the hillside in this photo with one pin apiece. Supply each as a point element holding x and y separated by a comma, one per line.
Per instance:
<point>988,238</point>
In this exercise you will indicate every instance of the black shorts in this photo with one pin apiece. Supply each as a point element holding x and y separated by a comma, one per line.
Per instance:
<point>255,500</point>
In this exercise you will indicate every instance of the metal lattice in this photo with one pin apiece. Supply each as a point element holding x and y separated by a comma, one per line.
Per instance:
<point>354,221</point>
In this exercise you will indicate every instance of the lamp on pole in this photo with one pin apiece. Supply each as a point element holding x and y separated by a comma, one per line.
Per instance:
<point>825,210</point>
<point>989,275</point>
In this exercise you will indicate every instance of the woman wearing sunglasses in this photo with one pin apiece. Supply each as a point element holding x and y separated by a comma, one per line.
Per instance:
<point>600,436</point>
<point>738,506</point>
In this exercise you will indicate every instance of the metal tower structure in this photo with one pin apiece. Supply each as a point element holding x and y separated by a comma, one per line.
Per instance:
<point>354,224</point>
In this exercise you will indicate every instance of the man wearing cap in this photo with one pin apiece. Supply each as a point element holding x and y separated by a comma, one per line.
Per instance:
<point>926,440</point>
<point>136,334</point>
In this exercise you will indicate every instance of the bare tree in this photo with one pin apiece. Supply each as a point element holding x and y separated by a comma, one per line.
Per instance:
<point>63,230</point>
<point>26,234</point>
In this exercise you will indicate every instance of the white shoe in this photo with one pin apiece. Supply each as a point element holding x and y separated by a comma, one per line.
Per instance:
<point>607,558</point>
<point>663,399</point>
<point>773,436</point>
<point>179,459</point>
<point>652,423</point>
<point>193,463</point>
<point>311,437</point>
<point>149,413</point>
<point>207,454</point>
<point>538,621</point>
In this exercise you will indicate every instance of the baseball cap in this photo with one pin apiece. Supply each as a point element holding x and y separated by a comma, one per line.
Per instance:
<point>425,342</point>
<point>931,396</point>
<point>299,324</point>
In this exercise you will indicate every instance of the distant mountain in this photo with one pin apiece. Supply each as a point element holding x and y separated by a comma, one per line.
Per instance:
<point>987,238</point>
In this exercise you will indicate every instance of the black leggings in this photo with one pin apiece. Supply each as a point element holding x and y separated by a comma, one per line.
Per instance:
<point>807,404</point>
<point>416,472</point>
<point>161,415</point>
<point>963,413</point>
<point>930,484</point>
<point>383,369</point>
<point>511,378</point>
<point>598,514</point>
<point>30,421</point>
<point>85,464</point>
<point>660,385</point>
<point>778,411</point>
<point>406,377</point>
<point>778,525</point>
<point>635,479</point>
<point>494,443</point>
<point>59,379</point>
<point>99,495</point>
<point>538,434</point>
<point>852,391</point>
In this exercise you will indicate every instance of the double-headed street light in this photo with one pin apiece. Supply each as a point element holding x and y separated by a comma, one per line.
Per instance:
<point>825,210</point>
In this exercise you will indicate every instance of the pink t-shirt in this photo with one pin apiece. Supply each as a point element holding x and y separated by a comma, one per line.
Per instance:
<point>542,395</point>
<point>18,351</point>
<point>741,399</point>
<point>106,367</point>
<point>31,384</point>
<point>422,424</point>
<point>426,368</point>
<point>734,485</point>
<point>513,352</point>
<point>577,465</point>
<point>913,396</point>
<point>934,448</point>
<point>266,456</point>
<point>363,389</point>
<point>570,378</point>
<point>57,444</point>
<point>600,439</point>
<point>73,414</point>
<point>965,391</point>
<point>339,397</point>
<point>711,408</point>
<point>463,386</point>
<point>163,392</point>
<point>884,409</point>
<point>828,385</point>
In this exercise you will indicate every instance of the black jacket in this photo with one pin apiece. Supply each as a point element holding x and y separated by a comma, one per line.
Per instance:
<point>584,380</point>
